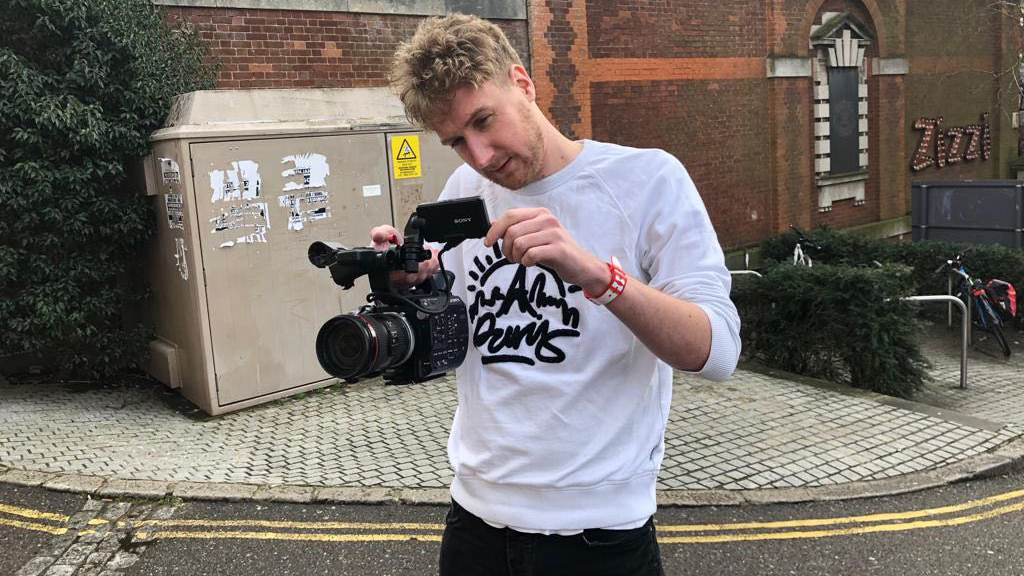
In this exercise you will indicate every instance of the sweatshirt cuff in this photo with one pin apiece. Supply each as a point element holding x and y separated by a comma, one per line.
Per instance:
<point>724,353</point>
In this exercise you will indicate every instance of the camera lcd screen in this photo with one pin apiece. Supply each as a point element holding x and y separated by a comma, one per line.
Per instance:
<point>454,220</point>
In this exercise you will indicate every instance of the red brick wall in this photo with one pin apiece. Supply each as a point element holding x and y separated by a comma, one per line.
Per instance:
<point>789,108</point>
<point>301,49</point>
<point>723,147</point>
<point>684,77</point>
<point>690,78</point>
<point>888,128</point>
<point>953,49</point>
<point>659,29</point>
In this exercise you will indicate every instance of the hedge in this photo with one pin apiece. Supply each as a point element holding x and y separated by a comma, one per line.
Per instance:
<point>986,262</point>
<point>82,86</point>
<point>844,324</point>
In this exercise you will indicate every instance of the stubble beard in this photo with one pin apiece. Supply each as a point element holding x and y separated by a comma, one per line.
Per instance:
<point>531,170</point>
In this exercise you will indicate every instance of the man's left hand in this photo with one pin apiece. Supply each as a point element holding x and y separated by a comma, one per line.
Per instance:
<point>532,236</point>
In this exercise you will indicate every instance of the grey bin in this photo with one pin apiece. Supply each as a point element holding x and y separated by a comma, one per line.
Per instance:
<point>972,211</point>
<point>242,182</point>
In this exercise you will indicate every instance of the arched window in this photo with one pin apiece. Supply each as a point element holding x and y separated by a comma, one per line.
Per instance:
<point>840,108</point>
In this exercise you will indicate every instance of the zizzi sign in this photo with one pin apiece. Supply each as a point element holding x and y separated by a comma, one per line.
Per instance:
<point>941,147</point>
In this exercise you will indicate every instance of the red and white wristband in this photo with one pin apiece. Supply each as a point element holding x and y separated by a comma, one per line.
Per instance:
<point>615,287</point>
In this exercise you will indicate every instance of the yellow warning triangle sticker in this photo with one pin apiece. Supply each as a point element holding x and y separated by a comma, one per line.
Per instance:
<point>405,152</point>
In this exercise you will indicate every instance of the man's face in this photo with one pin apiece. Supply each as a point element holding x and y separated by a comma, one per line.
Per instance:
<point>492,129</point>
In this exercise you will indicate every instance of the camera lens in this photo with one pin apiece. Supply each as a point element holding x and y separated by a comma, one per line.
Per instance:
<point>354,345</point>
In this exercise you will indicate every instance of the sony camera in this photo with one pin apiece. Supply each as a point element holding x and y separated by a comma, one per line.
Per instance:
<point>409,335</point>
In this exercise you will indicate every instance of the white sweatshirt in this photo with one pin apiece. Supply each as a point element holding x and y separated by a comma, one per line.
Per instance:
<point>562,411</point>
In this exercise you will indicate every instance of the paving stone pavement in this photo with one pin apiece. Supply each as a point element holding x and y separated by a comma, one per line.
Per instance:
<point>995,385</point>
<point>754,431</point>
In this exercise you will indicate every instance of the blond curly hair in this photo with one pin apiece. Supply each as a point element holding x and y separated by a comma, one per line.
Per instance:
<point>447,53</point>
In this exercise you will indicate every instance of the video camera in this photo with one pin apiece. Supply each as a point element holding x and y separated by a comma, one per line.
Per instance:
<point>408,335</point>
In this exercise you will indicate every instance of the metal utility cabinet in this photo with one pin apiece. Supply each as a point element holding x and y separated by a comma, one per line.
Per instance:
<point>243,182</point>
<point>969,211</point>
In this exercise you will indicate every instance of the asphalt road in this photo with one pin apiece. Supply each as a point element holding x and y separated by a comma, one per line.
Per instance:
<point>970,528</point>
<point>20,506</point>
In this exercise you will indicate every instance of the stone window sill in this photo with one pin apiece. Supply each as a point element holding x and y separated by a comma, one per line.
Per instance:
<point>832,180</point>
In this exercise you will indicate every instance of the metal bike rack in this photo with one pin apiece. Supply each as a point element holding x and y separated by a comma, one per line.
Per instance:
<point>949,310</point>
<point>965,321</point>
<point>949,307</point>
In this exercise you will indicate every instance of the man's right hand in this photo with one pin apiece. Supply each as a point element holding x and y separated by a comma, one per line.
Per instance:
<point>382,237</point>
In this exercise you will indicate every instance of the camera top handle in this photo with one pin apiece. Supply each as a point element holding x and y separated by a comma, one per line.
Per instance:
<point>450,222</point>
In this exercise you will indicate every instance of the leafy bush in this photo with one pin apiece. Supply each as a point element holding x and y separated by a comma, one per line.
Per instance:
<point>837,248</point>
<point>82,85</point>
<point>834,322</point>
<point>841,249</point>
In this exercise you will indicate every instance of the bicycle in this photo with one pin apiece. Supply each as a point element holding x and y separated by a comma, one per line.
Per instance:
<point>978,297</point>
<point>800,257</point>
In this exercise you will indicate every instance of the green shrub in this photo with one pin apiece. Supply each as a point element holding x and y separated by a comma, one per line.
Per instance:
<point>986,262</point>
<point>82,85</point>
<point>834,322</point>
<point>923,258</point>
<point>836,248</point>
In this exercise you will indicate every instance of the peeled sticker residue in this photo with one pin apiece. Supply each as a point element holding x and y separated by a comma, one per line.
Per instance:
<point>311,167</point>
<point>239,185</point>
<point>251,220</point>
<point>304,206</point>
<point>241,182</point>
<point>308,200</point>
<point>179,258</point>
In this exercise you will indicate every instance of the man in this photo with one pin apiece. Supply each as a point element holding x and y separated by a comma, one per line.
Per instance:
<point>601,273</point>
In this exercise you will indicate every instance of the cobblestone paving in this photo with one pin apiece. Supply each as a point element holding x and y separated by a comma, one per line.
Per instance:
<point>361,435</point>
<point>101,539</point>
<point>761,432</point>
<point>995,385</point>
<point>754,431</point>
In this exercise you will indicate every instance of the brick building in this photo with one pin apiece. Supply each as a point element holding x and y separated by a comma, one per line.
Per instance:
<point>784,111</point>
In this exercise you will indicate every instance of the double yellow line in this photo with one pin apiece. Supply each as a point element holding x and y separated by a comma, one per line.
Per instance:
<point>981,509</point>
<point>39,520</point>
<point>869,524</point>
<point>249,530</point>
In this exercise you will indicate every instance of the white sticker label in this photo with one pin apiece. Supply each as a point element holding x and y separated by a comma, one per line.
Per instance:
<point>169,172</point>
<point>371,190</point>
<point>175,211</point>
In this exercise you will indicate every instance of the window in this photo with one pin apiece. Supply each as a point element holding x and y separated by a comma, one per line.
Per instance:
<point>840,109</point>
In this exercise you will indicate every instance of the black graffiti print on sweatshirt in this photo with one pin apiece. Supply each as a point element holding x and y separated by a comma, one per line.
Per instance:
<point>534,339</point>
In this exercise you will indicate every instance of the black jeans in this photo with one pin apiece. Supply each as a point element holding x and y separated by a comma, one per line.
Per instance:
<point>471,547</point>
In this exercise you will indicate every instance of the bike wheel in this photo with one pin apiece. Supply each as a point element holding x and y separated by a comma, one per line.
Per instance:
<point>997,332</point>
